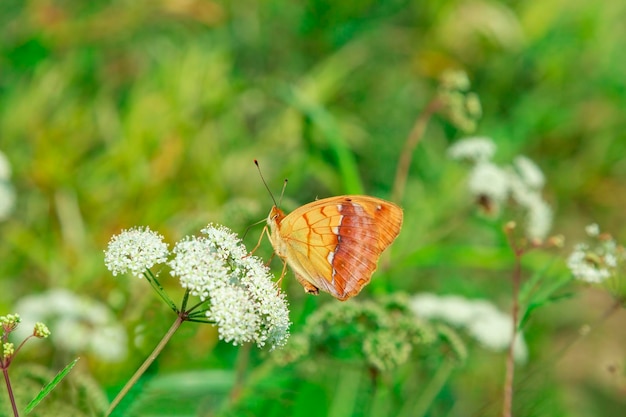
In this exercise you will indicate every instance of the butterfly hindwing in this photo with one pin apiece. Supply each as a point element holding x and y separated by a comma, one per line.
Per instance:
<point>334,244</point>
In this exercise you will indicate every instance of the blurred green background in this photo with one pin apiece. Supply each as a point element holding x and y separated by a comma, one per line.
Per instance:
<point>122,113</point>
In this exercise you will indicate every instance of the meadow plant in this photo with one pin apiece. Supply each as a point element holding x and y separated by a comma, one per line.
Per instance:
<point>509,193</point>
<point>383,336</point>
<point>8,354</point>
<point>517,186</point>
<point>381,333</point>
<point>234,290</point>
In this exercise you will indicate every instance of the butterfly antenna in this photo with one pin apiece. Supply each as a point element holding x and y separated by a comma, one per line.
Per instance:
<point>280,200</point>
<point>265,183</point>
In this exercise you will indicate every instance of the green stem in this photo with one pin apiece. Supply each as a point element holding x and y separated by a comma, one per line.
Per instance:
<point>142,369</point>
<point>243,359</point>
<point>183,306</point>
<point>5,371</point>
<point>154,282</point>
<point>191,309</point>
<point>433,388</point>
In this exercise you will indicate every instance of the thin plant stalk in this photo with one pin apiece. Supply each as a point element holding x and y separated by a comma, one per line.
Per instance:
<point>243,360</point>
<point>510,360</point>
<point>415,136</point>
<point>426,399</point>
<point>507,403</point>
<point>7,380</point>
<point>142,369</point>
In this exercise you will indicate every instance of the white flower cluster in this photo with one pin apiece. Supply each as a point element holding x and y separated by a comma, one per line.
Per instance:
<point>492,184</point>
<point>135,250</point>
<point>475,149</point>
<point>7,193</point>
<point>596,262</point>
<point>77,323</point>
<point>245,303</point>
<point>479,318</point>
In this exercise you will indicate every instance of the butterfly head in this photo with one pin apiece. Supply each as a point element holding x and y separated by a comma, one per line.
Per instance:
<point>275,217</point>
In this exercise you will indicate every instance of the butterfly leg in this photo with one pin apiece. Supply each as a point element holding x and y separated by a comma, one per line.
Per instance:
<point>282,274</point>
<point>263,232</point>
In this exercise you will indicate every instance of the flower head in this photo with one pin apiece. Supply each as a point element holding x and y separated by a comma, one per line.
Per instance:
<point>479,318</point>
<point>488,181</point>
<point>9,322</point>
<point>460,106</point>
<point>538,217</point>
<point>476,149</point>
<point>41,330</point>
<point>596,261</point>
<point>455,80</point>
<point>592,230</point>
<point>245,303</point>
<point>529,172</point>
<point>519,183</point>
<point>8,349</point>
<point>198,266</point>
<point>135,250</point>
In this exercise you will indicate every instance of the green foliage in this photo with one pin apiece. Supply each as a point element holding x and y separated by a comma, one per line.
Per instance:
<point>79,394</point>
<point>47,389</point>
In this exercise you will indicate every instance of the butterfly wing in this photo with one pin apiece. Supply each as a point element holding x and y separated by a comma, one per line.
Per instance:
<point>335,243</point>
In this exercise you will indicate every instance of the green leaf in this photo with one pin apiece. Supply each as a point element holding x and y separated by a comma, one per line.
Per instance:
<point>50,386</point>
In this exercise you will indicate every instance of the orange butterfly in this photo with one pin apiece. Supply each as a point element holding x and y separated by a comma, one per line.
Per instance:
<point>334,244</point>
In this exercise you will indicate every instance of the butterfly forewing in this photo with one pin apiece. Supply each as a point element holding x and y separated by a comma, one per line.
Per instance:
<point>334,244</point>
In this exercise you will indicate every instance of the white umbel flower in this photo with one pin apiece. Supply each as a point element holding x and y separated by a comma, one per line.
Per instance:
<point>585,267</point>
<point>245,303</point>
<point>486,179</point>
<point>529,172</point>
<point>519,183</point>
<point>475,149</point>
<point>598,260</point>
<point>592,230</point>
<point>135,250</point>
<point>481,319</point>
<point>198,266</point>
<point>538,218</point>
